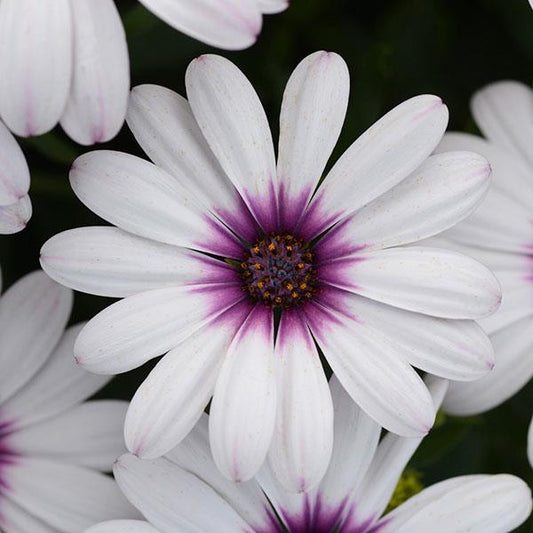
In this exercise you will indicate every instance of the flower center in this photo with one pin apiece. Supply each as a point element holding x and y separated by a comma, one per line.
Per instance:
<point>278,271</point>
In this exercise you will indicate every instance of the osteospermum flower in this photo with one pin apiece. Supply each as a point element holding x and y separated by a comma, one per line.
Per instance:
<point>500,234</point>
<point>214,245</point>
<point>53,447</point>
<point>232,24</point>
<point>15,204</point>
<point>174,492</point>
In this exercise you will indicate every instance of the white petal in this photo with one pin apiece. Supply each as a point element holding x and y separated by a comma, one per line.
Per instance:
<point>487,504</point>
<point>514,368</point>
<point>530,443</point>
<point>392,455</point>
<point>303,436</point>
<point>33,314</point>
<point>441,192</point>
<point>378,160</point>
<point>16,520</point>
<point>69,498</point>
<point>234,123</point>
<point>35,62</point>
<point>88,435</point>
<point>140,198</point>
<point>59,385</point>
<point>111,262</point>
<point>231,25</point>
<point>312,113</point>
<point>374,371</point>
<point>425,280</point>
<point>141,327</point>
<point>164,126</point>
<point>509,174</point>
<point>504,111</point>
<point>15,217</point>
<point>14,172</point>
<point>122,526</point>
<point>171,399</point>
<point>500,223</point>
<point>354,445</point>
<point>98,98</point>
<point>172,499</point>
<point>273,6</point>
<point>243,410</point>
<point>194,455</point>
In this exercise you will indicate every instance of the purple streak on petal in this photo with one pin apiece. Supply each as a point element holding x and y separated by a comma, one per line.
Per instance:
<point>316,219</point>
<point>8,456</point>
<point>213,271</point>
<point>220,241</point>
<point>292,208</point>
<point>219,296</point>
<point>265,210</point>
<point>335,273</point>
<point>240,220</point>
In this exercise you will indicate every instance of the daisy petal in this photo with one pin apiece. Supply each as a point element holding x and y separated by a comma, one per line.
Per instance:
<point>45,490</point>
<point>354,444</point>
<point>59,385</point>
<point>123,526</point>
<point>171,399</point>
<point>530,443</point>
<point>172,499</point>
<point>234,123</point>
<point>421,279</point>
<point>16,520</point>
<point>15,217</point>
<point>374,371</point>
<point>36,64</point>
<point>378,160</point>
<point>303,436</point>
<point>513,369</point>
<point>232,25</point>
<point>140,198</point>
<point>164,126</point>
<point>312,113</point>
<point>503,112</point>
<point>193,455</point>
<point>444,190</point>
<point>98,98</point>
<point>273,6</point>
<point>110,262</point>
<point>243,410</point>
<point>508,173</point>
<point>87,435</point>
<point>132,331</point>
<point>33,314</point>
<point>485,504</point>
<point>14,172</point>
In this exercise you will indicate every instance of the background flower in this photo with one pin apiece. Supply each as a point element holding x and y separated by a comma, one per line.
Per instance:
<point>53,445</point>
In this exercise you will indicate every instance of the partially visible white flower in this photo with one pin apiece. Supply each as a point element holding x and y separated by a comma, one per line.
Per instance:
<point>15,205</point>
<point>232,24</point>
<point>183,491</point>
<point>63,60</point>
<point>53,446</point>
<point>530,443</point>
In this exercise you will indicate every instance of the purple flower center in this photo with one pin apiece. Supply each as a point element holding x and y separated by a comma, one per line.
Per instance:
<point>278,271</point>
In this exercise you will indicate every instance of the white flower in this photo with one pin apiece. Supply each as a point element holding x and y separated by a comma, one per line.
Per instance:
<point>15,204</point>
<point>184,492</point>
<point>63,60</point>
<point>53,446</point>
<point>500,234</point>
<point>231,24</point>
<point>373,307</point>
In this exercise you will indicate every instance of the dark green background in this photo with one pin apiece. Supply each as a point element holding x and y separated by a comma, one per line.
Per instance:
<point>395,49</point>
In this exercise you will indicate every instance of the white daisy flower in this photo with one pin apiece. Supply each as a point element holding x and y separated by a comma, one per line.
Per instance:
<point>214,243</point>
<point>53,445</point>
<point>232,24</point>
<point>15,204</point>
<point>500,235</point>
<point>67,60</point>
<point>183,491</point>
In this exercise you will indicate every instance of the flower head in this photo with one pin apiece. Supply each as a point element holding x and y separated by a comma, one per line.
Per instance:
<point>219,252</point>
<point>53,445</point>
<point>173,492</point>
